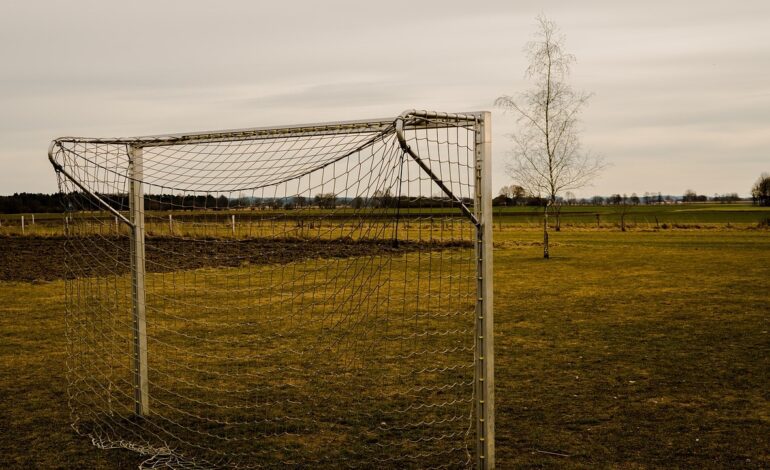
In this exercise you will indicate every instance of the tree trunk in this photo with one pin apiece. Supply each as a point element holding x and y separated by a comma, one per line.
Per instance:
<point>546,254</point>
<point>623,214</point>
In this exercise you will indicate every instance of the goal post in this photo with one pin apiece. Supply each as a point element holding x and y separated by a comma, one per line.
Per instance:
<point>485,322</point>
<point>323,297</point>
<point>138,299</point>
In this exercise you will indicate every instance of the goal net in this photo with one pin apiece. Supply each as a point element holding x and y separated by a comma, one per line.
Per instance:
<point>310,296</point>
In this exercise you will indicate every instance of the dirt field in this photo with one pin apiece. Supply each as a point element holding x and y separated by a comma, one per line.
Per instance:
<point>45,258</point>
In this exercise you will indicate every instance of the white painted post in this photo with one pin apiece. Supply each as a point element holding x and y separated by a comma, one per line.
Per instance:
<point>170,224</point>
<point>22,225</point>
<point>117,226</point>
<point>136,205</point>
<point>485,360</point>
<point>33,219</point>
<point>233,223</point>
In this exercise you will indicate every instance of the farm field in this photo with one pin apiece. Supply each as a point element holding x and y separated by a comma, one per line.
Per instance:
<point>643,349</point>
<point>218,223</point>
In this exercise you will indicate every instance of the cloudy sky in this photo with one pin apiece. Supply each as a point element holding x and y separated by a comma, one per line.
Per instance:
<point>682,88</point>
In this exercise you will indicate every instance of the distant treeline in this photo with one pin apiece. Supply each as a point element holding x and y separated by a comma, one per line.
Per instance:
<point>31,203</point>
<point>516,196</point>
<point>20,203</point>
<point>36,203</point>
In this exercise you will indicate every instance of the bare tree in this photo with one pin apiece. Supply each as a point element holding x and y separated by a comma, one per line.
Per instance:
<point>547,156</point>
<point>760,192</point>
<point>689,196</point>
<point>514,193</point>
<point>623,212</point>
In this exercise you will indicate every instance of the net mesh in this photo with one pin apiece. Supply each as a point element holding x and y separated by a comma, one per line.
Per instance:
<point>310,295</point>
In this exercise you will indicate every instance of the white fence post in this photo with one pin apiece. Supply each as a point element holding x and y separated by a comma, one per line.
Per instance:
<point>170,224</point>
<point>233,223</point>
<point>22,225</point>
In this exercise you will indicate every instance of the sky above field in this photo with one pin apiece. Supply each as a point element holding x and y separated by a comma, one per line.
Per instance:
<point>681,88</point>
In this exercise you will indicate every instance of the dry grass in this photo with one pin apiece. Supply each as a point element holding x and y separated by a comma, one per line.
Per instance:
<point>629,350</point>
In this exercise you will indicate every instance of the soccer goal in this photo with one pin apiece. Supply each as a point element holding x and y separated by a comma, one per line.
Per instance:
<point>314,296</point>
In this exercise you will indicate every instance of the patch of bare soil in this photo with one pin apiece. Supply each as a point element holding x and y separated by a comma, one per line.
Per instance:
<point>49,258</point>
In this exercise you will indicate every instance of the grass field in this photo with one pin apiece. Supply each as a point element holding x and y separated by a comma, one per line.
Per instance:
<point>643,349</point>
<point>252,223</point>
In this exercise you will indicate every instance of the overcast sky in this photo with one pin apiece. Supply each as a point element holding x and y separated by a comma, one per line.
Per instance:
<point>682,89</point>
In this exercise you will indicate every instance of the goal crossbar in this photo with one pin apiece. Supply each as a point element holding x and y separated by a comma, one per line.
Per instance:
<point>412,119</point>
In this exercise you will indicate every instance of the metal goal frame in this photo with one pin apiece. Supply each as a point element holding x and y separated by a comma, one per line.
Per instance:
<point>480,215</point>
